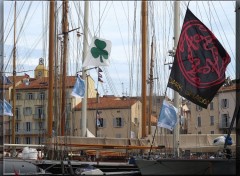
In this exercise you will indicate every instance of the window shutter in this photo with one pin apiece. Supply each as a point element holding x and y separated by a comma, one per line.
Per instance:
<point>24,127</point>
<point>114,122</point>
<point>24,111</point>
<point>104,123</point>
<point>26,96</point>
<point>122,121</point>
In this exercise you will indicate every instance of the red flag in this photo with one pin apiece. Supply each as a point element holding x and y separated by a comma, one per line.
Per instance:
<point>200,63</point>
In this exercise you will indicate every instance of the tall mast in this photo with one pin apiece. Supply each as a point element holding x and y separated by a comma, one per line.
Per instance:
<point>150,90</point>
<point>14,77</point>
<point>1,72</point>
<point>176,95</point>
<point>144,58</point>
<point>84,74</point>
<point>51,62</point>
<point>64,70</point>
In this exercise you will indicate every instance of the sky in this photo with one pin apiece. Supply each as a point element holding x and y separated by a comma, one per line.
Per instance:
<point>120,23</point>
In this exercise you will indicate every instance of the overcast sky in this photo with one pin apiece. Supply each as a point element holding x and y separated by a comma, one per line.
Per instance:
<point>119,24</point>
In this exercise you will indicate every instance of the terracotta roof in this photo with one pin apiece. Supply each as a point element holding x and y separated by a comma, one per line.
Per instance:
<point>107,103</point>
<point>42,83</point>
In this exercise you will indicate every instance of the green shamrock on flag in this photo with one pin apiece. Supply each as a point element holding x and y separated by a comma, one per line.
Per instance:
<point>99,50</point>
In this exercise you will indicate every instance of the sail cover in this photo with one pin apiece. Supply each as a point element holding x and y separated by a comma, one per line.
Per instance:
<point>200,63</point>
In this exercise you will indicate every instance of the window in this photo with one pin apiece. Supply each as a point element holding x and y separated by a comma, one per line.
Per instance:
<point>17,141</point>
<point>29,96</point>
<point>28,140</point>
<point>41,96</point>
<point>16,127</point>
<point>199,132</point>
<point>224,103</point>
<point>211,120</point>
<point>19,96</point>
<point>212,132</point>
<point>211,106</point>
<point>136,120</point>
<point>100,122</point>
<point>198,108</point>
<point>199,121</point>
<point>28,126</point>
<point>225,120</point>
<point>27,111</point>
<point>17,113</point>
<point>39,112</point>
<point>118,122</point>
<point>39,140</point>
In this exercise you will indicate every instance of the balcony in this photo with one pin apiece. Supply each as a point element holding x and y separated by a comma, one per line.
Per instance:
<point>39,116</point>
<point>18,118</point>
<point>224,126</point>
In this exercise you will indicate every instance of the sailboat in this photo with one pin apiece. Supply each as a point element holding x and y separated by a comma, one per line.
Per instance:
<point>176,165</point>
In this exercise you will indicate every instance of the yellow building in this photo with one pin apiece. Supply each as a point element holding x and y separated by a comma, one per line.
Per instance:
<point>32,105</point>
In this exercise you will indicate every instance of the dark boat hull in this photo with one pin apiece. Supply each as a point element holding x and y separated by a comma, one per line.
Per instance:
<point>55,167</point>
<point>187,167</point>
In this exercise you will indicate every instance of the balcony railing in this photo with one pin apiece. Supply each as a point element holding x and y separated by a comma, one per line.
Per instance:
<point>39,116</point>
<point>222,126</point>
<point>25,132</point>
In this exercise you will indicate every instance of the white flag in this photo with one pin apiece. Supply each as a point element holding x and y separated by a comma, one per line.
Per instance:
<point>79,88</point>
<point>168,116</point>
<point>5,108</point>
<point>98,53</point>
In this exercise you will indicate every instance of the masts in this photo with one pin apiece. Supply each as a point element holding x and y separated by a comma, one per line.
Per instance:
<point>150,90</point>
<point>14,77</point>
<point>51,72</point>
<point>176,95</point>
<point>64,65</point>
<point>84,74</point>
<point>144,58</point>
<point>1,72</point>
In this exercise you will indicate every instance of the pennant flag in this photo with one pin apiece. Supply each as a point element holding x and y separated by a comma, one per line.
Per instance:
<point>99,52</point>
<point>99,70</point>
<point>26,75</point>
<point>100,80</point>
<point>5,108</point>
<point>79,88</point>
<point>168,116</point>
<point>200,63</point>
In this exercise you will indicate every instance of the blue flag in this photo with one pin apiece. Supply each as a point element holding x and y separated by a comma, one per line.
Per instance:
<point>5,80</point>
<point>5,108</point>
<point>79,88</point>
<point>168,116</point>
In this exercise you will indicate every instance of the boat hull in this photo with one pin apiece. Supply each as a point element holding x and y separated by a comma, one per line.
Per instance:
<point>55,167</point>
<point>187,167</point>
